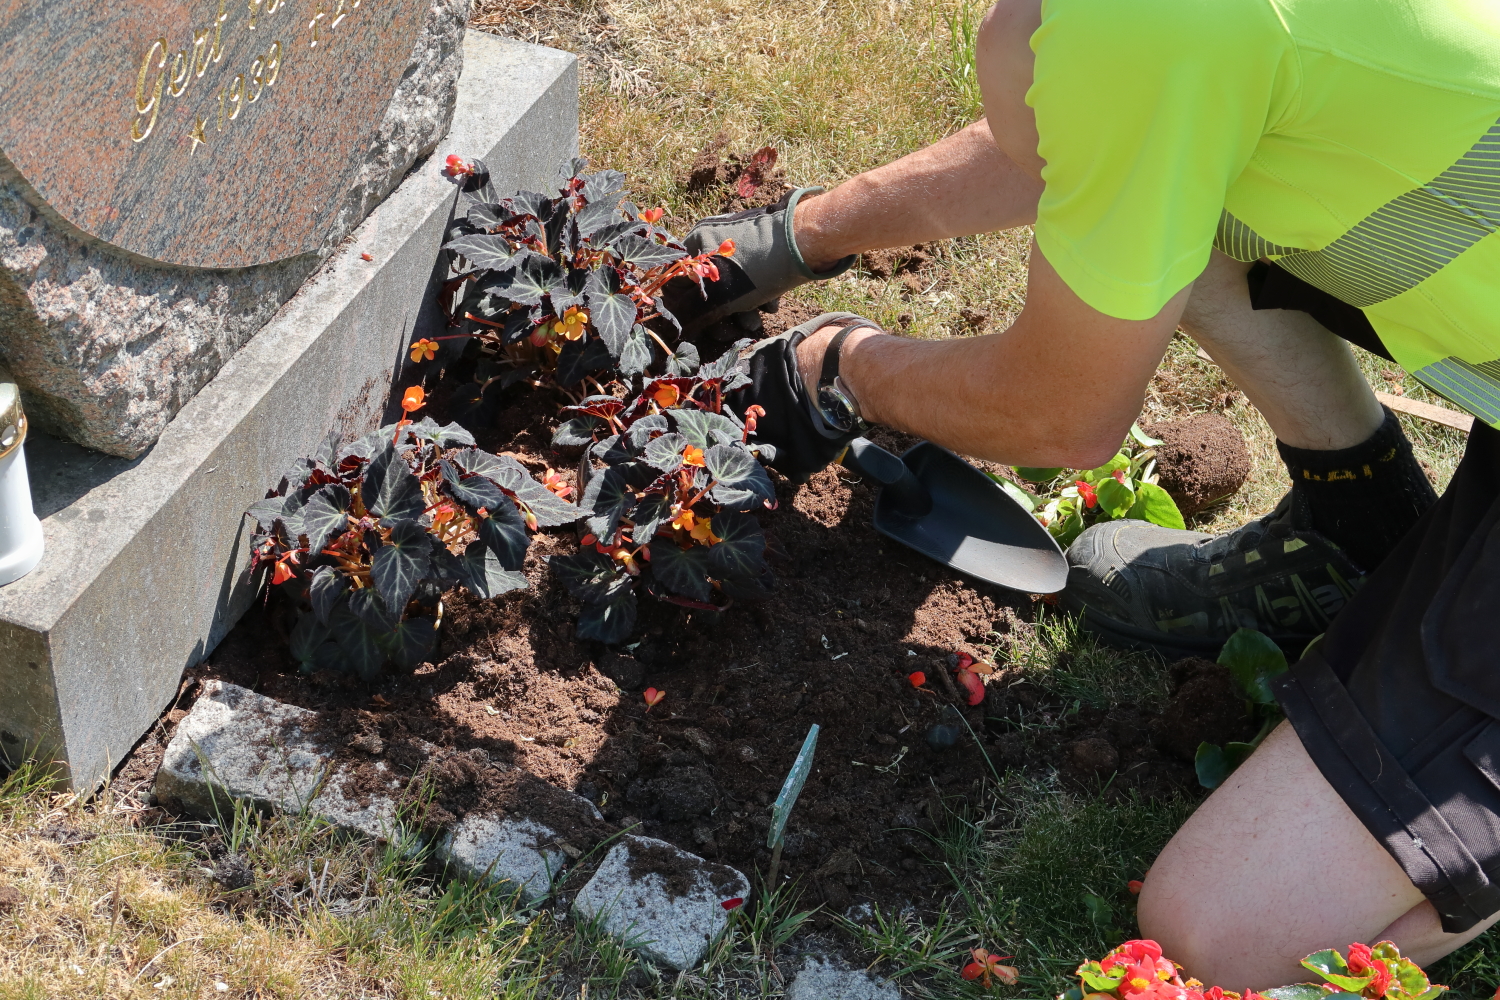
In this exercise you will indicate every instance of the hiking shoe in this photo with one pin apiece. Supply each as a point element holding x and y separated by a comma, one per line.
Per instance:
<point>766,264</point>
<point>1183,593</point>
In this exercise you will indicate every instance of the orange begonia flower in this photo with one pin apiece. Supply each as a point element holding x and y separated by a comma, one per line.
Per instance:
<point>413,399</point>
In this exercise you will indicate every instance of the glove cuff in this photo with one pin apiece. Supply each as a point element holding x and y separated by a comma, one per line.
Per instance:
<point>791,240</point>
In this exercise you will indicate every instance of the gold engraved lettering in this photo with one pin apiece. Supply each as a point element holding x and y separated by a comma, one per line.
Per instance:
<point>221,109</point>
<point>338,15</point>
<point>182,70</point>
<point>257,77</point>
<point>152,106</point>
<point>197,135</point>
<point>273,63</point>
<point>217,52</point>
<point>313,24</point>
<point>255,12</point>
<point>237,96</point>
<point>201,53</point>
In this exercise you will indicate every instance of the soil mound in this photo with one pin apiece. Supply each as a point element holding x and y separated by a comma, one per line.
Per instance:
<point>1205,707</point>
<point>1201,459</point>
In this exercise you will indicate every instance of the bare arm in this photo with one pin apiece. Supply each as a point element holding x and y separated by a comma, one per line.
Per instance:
<point>959,186</point>
<point>1060,387</point>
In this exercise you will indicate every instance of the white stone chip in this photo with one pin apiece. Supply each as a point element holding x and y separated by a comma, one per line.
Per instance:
<point>674,931</point>
<point>825,979</point>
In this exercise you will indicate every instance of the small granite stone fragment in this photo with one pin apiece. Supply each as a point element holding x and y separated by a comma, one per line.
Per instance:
<point>236,744</point>
<point>510,850</point>
<point>660,900</point>
<point>829,979</point>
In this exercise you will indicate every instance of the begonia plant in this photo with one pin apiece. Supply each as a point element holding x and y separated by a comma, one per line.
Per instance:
<point>1123,487</point>
<point>367,536</point>
<point>668,507</point>
<point>567,286</point>
<point>1137,970</point>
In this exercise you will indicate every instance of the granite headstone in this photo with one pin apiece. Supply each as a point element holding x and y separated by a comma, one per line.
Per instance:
<point>172,171</point>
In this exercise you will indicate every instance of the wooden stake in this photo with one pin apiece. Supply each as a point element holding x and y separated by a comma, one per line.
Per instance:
<point>1427,411</point>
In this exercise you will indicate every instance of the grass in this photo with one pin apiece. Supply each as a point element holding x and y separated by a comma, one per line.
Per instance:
<point>114,905</point>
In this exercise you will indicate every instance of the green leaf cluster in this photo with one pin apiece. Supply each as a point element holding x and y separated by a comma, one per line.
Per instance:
<point>1406,979</point>
<point>1123,487</point>
<point>1253,660</point>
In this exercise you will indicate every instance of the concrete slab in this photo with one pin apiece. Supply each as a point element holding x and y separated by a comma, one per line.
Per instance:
<point>236,744</point>
<point>145,565</point>
<point>660,900</point>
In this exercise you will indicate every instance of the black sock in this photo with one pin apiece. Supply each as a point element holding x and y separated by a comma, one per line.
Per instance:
<point>1363,498</point>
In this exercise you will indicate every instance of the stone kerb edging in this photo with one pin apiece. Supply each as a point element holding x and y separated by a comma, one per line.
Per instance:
<point>238,745</point>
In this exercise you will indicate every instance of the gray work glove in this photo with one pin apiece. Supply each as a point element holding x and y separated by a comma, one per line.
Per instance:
<point>765,265</point>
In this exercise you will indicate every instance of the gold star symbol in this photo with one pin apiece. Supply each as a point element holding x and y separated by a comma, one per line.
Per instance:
<point>197,136</point>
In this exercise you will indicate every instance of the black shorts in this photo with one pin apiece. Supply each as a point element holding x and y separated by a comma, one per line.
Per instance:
<point>1399,705</point>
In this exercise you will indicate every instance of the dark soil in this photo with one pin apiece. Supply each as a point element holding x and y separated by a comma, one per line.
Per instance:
<point>1202,459</point>
<point>515,708</point>
<point>1207,707</point>
<point>680,874</point>
<point>11,899</point>
<point>736,181</point>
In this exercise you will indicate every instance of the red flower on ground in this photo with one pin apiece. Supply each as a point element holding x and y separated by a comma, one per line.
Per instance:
<point>730,904</point>
<point>917,678</point>
<point>1087,495</point>
<point>457,166</point>
<point>972,685</point>
<point>987,968</point>
<point>653,696</point>
<point>1135,886</point>
<point>365,256</point>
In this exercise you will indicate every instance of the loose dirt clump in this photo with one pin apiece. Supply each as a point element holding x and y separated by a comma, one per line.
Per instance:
<point>1202,459</point>
<point>1205,707</point>
<point>681,875</point>
<point>736,181</point>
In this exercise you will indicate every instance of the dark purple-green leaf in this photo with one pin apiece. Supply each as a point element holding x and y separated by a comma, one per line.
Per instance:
<point>404,559</point>
<point>608,621</point>
<point>684,571</point>
<point>324,590</point>
<point>504,531</point>
<point>742,549</point>
<point>325,516</point>
<point>589,575</point>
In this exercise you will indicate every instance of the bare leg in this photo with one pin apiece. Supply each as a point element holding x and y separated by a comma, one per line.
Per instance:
<point>1299,375</point>
<point>1273,867</point>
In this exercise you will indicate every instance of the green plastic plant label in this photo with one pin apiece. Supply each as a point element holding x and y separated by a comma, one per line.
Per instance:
<point>792,787</point>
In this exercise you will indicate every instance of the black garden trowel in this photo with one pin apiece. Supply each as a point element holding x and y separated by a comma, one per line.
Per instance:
<point>933,501</point>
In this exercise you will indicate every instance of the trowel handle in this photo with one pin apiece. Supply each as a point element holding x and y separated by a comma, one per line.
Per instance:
<point>908,497</point>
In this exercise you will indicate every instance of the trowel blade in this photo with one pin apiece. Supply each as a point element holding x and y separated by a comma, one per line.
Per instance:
<point>974,526</point>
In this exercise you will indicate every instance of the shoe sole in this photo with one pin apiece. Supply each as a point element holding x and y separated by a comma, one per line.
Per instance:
<point>1123,635</point>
